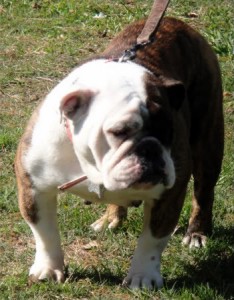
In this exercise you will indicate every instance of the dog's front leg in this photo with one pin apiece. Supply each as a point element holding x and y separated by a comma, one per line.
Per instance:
<point>145,266</point>
<point>48,263</point>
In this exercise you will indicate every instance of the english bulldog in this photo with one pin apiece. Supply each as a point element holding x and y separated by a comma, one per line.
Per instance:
<point>137,130</point>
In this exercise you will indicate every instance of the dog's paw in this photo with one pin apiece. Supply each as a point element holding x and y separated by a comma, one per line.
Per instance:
<point>145,265</point>
<point>112,218</point>
<point>194,240</point>
<point>144,272</point>
<point>104,222</point>
<point>100,224</point>
<point>44,272</point>
<point>147,280</point>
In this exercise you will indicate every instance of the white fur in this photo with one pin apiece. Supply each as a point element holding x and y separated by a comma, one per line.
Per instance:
<point>145,266</point>
<point>49,132</point>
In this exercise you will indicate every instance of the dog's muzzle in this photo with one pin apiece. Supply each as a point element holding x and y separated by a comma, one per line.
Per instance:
<point>150,156</point>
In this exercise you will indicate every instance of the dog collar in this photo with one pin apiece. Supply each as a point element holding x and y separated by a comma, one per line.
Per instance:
<point>71,183</point>
<point>98,189</point>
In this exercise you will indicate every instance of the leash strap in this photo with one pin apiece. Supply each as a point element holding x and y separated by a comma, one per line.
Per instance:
<point>70,184</point>
<point>157,12</point>
<point>151,26</point>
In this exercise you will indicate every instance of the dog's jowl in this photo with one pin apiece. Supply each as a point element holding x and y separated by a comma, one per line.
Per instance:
<point>138,130</point>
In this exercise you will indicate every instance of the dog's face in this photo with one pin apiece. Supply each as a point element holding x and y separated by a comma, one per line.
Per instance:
<point>122,127</point>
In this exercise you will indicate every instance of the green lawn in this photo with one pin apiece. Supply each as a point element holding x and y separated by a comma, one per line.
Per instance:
<point>40,42</point>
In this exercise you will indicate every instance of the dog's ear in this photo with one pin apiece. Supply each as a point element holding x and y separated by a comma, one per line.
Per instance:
<point>175,92</point>
<point>77,100</point>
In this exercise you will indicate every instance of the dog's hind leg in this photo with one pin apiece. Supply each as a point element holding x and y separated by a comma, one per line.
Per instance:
<point>205,173</point>
<point>207,159</point>
<point>113,218</point>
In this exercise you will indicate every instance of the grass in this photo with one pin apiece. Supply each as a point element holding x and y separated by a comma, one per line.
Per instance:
<point>40,42</point>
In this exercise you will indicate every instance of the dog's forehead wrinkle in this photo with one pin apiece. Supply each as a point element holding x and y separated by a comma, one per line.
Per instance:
<point>128,118</point>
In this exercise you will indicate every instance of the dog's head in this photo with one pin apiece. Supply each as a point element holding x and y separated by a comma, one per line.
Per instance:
<point>121,121</point>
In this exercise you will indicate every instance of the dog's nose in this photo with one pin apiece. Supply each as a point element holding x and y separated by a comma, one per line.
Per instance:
<point>150,154</point>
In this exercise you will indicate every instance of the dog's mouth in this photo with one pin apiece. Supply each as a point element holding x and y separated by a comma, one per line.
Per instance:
<point>143,167</point>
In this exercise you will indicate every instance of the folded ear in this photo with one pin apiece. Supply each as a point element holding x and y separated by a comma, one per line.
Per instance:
<point>77,100</point>
<point>175,91</point>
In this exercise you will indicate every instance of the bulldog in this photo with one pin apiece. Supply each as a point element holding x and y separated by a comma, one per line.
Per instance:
<point>137,130</point>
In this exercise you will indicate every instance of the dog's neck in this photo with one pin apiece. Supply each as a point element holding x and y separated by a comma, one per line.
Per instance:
<point>99,189</point>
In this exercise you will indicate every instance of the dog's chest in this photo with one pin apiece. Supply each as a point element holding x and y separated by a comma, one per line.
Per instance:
<point>127,197</point>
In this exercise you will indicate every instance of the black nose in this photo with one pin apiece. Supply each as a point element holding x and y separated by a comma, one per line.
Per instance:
<point>149,152</point>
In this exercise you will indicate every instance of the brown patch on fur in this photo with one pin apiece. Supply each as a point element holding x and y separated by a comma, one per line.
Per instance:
<point>201,217</point>
<point>28,207</point>
<point>165,212</point>
<point>124,40</point>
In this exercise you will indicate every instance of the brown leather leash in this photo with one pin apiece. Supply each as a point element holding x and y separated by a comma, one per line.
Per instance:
<point>146,37</point>
<point>151,26</point>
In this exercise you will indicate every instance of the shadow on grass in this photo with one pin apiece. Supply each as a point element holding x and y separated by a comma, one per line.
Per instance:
<point>95,276</point>
<point>215,270</point>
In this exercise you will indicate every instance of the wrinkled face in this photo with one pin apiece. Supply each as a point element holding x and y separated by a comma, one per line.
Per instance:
<point>121,125</point>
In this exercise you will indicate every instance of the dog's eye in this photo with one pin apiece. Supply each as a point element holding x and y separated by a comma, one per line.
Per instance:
<point>121,132</point>
<point>124,130</point>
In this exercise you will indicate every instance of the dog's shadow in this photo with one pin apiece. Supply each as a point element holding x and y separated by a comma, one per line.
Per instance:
<point>216,271</point>
<point>94,276</point>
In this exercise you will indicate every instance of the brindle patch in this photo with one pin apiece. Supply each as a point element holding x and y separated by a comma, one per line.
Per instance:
<point>27,205</point>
